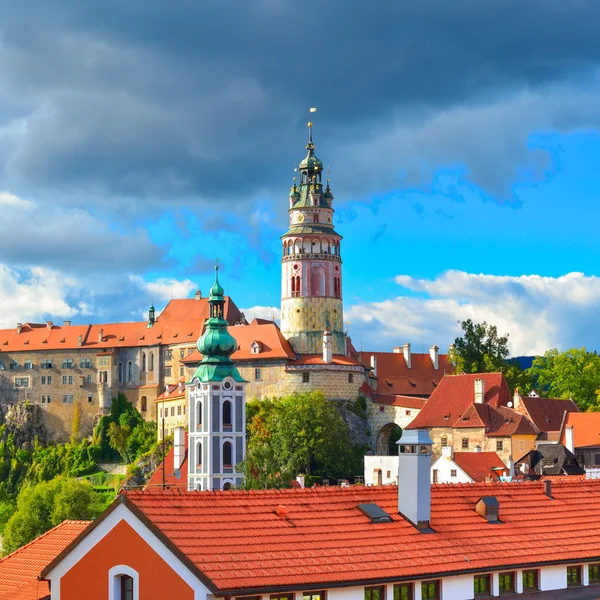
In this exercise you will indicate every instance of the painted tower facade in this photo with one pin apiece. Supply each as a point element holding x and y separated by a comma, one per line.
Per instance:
<point>311,273</point>
<point>216,406</point>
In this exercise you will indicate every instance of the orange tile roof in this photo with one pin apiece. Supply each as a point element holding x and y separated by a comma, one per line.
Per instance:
<point>173,392</point>
<point>455,393</point>
<point>546,413</point>
<point>238,541</point>
<point>402,401</point>
<point>500,422</point>
<point>586,429</point>
<point>185,309</point>
<point>317,359</point>
<point>171,481</point>
<point>19,571</point>
<point>479,465</point>
<point>394,377</point>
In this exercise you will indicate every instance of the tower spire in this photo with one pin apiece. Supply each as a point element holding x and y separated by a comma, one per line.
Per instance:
<point>310,126</point>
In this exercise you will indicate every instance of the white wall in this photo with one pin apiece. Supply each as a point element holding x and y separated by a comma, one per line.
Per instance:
<point>459,588</point>
<point>444,466</point>
<point>553,578</point>
<point>387,464</point>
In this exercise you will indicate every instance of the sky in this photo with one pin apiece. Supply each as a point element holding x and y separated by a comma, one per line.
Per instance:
<point>140,140</point>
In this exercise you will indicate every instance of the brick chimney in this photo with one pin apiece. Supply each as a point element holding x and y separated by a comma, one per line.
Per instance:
<point>433,354</point>
<point>414,477</point>
<point>178,447</point>
<point>67,324</point>
<point>79,341</point>
<point>406,352</point>
<point>479,390</point>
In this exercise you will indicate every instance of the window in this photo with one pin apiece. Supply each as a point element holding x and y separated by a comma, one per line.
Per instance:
<point>507,582</point>
<point>14,366</point>
<point>168,354</point>
<point>375,593</point>
<point>161,413</point>
<point>181,371</point>
<point>68,363</point>
<point>150,361</point>
<point>85,363</point>
<point>178,410</point>
<point>282,597</point>
<point>68,399</point>
<point>521,444</point>
<point>594,573</point>
<point>314,596</point>
<point>430,590</point>
<point>22,382</point>
<point>46,379</point>
<point>1,365</point>
<point>407,413</point>
<point>481,585</point>
<point>257,374</point>
<point>465,443</point>
<point>453,473</point>
<point>199,413</point>
<point>27,364</point>
<point>350,377</point>
<point>120,372</point>
<point>182,353</point>
<point>403,591</point>
<point>70,379</point>
<point>129,371</point>
<point>530,580</point>
<point>143,361</point>
<point>436,477</point>
<point>90,398</point>
<point>499,446</point>
<point>227,414</point>
<point>573,576</point>
<point>305,377</point>
<point>126,587</point>
<point>167,372</point>
<point>43,399</point>
<point>381,408</point>
<point>227,454</point>
<point>444,441</point>
<point>64,380</point>
<point>88,379</point>
<point>172,411</point>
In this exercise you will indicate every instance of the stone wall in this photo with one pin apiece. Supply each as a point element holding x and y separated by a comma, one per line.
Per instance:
<point>476,437</point>
<point>381,417</point>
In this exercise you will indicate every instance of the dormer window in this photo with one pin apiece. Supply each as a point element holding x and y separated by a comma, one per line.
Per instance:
<point>255,347</point>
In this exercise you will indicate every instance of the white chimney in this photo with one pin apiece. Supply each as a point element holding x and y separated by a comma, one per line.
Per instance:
<point>479,390</point>
<point>374,364</point>
<point>398,350</point>
<point>178,447</point>
<point>477,449</point>
<point>447,452</point>
<point>300,480</point>
<point>433,354</point>
<point>19,327</point>
<point>570,438</point>
<point>198,295</point>
<point>406,352</point>
<point>49,324</point>
<point>414,479</point>
<point>327,347</point>
<point>100,334</point>
<point>511,468</point>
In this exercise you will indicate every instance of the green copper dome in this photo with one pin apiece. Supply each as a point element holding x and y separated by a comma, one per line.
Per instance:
<point>328,193</point>
<point>294,193</point>
<point>216,344</point>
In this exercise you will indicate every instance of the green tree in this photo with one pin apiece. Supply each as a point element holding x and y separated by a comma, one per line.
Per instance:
<point>518,378</point>
<point>44,505</point>
<point>574,374</point>
<point>118,437</point>
<point>480,349</point>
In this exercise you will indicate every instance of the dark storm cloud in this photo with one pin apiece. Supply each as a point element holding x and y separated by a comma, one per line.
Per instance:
<point>196,101</point>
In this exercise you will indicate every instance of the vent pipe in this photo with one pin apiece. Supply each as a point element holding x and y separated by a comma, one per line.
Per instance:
<point>479,390</point>
<point>433,354</point>
<point>406,352</point>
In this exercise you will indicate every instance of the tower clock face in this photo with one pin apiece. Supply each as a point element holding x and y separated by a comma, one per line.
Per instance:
<point>300,218</point>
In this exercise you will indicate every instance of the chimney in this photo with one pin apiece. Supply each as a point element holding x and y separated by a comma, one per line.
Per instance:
<point>479,390</point>
<point>570,439</point>
<point>477,449</point>
<point>67,324</point>
<point>327,351</point>
<point>414,478</point>
<point>489,508</point>
<point>19,327</point>
<point>447,452</point>
<point>300,480</point>
<point>79,341</point>
<point>398,350</point>
<point>100,334</point>
<point>548,487</point>
<point>178,447</point>
<point>433,354</point>
<point>49,324</point>
<point>406,352</point>
<point>511,468</point>
<point>198,295</point>
<point>374,364</point>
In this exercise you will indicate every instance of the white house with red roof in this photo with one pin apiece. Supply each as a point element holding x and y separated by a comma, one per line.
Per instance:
<point>469,467</point>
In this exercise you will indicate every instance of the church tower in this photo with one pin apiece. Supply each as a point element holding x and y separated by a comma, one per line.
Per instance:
<point>311,265</point>
<point>216,405</point>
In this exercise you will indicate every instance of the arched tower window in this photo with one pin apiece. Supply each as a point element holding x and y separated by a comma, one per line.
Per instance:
<point>126,584</point>
<point>227,414</point>
<point>337,287</point>
<point>150,361</point>
<point>120,372</point>
<point>199,413</point>
<point>129,371</point>
<point>317,281</point>
<point>295,285</point>
<point>199,456</point>
<point>143,361</point>
<point>227,454</point>
<point>316,218</point>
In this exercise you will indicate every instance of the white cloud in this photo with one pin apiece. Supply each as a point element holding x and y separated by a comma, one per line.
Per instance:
<point>164,289</point>
<point>538,312</point>
<point>262,312</point>
<point>8,199</point>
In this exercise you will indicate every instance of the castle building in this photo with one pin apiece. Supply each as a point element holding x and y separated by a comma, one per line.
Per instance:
<point>216,406</point>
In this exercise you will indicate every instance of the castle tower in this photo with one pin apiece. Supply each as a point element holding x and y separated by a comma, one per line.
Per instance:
<point>311,265</point>
<point>216,406</point>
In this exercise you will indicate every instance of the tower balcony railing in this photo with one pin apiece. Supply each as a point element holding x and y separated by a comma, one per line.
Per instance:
<point>312,255</point>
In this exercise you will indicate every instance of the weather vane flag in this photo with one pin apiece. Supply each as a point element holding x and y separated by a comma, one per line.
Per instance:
<point>313,110</point>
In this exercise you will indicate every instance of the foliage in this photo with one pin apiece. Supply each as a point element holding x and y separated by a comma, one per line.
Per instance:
<point>46,504</point>
<point>76,423</point>
<point>301,433</point>
<point>480,349</point>
<point>518,378</point>
<point>574,374</point>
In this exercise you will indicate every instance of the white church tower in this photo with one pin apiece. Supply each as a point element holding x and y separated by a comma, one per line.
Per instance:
<point>217,406</point>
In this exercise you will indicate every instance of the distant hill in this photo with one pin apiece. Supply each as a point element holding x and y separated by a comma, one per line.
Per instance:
<point>524,362</point>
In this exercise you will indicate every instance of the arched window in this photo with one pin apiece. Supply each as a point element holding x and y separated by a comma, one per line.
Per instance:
<point>129,371</point>
<point>143,361</point>
<point>120,372</point>
<point>144,406</point>
<point>150,361</point>
<point>199,457</point>
<point>316,218</point>
<point>124,583</point>
<point>226,486</point>
<point>126,587</point>
<point>337,287</point>
<point>227,414</point>
<point>227,454</point>
<point>199,413</point>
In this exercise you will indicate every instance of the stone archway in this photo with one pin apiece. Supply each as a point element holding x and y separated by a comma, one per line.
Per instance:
<point>386,439</point>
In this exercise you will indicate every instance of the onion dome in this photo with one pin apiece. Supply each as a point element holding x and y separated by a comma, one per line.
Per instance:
<point>310,162</point>
<point>294,192</point>
<point>216,291</point>
<point>328,193</point>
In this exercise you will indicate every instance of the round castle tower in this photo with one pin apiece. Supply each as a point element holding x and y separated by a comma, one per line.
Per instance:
<point>311,266</point>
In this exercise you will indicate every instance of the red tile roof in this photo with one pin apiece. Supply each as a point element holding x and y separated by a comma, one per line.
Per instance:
<point>479,465</point>
<point>172,392</point>
<point>401,401</point>
<point>586,429</point>
<point>455,393</point>
<point>394,377</point>
<point>19,571</point>
<point>238,540</point>
<point>317,359</point>
<point>171,481</point>
<point>499,422</point>
<point>546,413</point>
<point>199,310</point>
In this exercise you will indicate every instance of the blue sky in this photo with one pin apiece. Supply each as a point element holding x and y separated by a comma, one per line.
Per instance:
<point>139,142</point>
